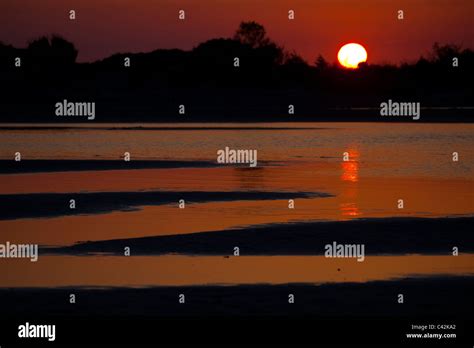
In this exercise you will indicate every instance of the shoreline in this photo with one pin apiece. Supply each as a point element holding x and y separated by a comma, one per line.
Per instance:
<point>447,296</point>
<point>380,235</point>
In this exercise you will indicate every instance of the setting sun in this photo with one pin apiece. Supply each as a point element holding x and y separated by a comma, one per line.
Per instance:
<point>351,54</point>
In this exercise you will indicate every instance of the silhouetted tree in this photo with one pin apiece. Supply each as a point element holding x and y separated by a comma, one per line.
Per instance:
<point>208,79</point>
<point>292,58</point>
<point>56,52</point>
<point>39,48</point>
<point>51,61</point>
<point>444,53</point>
<point>252,34</point>
<point>321,63</point>
<point>7,55</point>
<point>63,50</point>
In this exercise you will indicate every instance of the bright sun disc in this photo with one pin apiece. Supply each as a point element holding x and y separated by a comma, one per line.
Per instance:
<point>351,54</point>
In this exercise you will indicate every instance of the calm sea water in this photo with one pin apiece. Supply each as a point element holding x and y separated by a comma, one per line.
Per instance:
<point>411,149</point>
<point>387,162</point>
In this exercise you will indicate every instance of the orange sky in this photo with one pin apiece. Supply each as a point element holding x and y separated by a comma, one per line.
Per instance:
<point>321,26</point>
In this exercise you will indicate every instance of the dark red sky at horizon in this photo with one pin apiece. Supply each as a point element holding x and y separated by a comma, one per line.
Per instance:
<point>320,26</point>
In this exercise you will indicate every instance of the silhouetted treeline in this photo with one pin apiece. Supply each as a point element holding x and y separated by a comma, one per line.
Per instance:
<point>244,78</point>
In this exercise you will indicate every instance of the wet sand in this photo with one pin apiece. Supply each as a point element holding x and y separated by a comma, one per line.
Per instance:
<point>190,250</point>
<point>131,216</point>
<point>436,297</point>
<point>57,204</point>
<point>46,166</point>
<point>178,270</point>
<point>380,236</point>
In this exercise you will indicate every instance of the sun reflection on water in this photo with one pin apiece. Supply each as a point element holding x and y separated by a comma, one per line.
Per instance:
<point>350,177</point>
